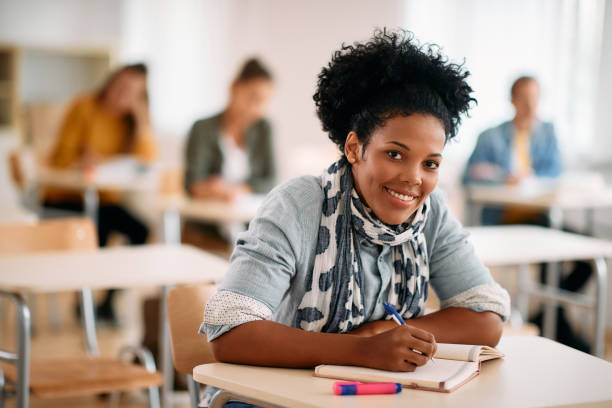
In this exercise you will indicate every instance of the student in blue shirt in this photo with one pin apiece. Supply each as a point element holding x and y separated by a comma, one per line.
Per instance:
<point>523,147</point>
<point>307,280</point>
<point>519,148</point>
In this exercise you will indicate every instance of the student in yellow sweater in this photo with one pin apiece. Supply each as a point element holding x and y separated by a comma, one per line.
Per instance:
<point>111,121</point>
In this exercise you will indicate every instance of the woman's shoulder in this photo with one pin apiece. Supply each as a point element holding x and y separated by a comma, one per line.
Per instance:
<point>299,199</point>
<point>83,103</point>
<point>438,212</point>
<point>208,123</point>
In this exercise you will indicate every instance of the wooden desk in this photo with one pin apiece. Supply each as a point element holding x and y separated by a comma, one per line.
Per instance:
<point>175,208</point>
<point>16,214</point>
<point>535,372</point>
<point>521,245</point>
<point>543,195</point>
<point>124,267</point>
<point>121,174</point>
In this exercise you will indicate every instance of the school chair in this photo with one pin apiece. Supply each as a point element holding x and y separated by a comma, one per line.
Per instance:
<point>185,306</point>
<point>77,376</point>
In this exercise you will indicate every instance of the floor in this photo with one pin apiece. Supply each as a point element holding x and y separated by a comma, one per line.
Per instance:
<point>68,342</point>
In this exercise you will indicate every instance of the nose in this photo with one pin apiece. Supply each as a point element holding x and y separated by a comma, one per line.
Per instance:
<point>412,175</point>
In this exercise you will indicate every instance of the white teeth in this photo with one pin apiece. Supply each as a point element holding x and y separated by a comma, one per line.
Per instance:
<point>400,196</point>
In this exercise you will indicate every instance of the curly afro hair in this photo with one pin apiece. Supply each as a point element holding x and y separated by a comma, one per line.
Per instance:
<point>366,84</point>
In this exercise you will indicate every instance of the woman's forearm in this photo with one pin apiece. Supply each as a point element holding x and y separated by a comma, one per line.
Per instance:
<point>268,343</point>
<point>462,326</point>
<point>451,325</point>
<point>264,342</point>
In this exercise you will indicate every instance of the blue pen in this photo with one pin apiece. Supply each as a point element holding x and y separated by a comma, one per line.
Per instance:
<point>395,316</point>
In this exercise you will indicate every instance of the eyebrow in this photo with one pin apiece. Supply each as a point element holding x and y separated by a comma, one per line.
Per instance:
<point>407,148</point>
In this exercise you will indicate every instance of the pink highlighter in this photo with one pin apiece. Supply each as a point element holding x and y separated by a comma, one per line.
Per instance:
<point>357,388</point>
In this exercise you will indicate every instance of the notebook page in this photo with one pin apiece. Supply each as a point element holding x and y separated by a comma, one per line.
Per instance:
<point>439,374</point>
<point>466,352</point>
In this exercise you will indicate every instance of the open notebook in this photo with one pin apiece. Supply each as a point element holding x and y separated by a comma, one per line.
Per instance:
<point>454,365</point>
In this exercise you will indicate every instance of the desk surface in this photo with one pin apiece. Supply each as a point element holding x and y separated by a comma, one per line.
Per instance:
<point>523,244</point>
<point>16,214</point>
<point>244,209</point>
<point>535,372</point>
<point>129,266</point>
<point>112,176</point>
<point>541,198</point>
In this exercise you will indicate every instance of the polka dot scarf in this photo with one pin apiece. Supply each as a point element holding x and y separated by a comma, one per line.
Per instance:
<point>333,301</point>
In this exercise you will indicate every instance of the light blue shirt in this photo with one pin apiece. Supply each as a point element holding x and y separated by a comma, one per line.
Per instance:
<point>495,146</point>
<point>273,260</point>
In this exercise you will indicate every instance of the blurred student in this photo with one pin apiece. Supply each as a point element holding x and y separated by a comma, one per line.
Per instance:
<point>231,153</point>
<point>516,149</point>
<point>98,126</point>
<point>511,152</point>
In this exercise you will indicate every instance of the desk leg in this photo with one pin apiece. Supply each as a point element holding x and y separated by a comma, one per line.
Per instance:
<point>165,350</point>
<point>522,301</point>
<point>171,226</point>
<point>89,322</point>
<point>600,306</point>
<point>555,218</point>
<point>92,203</point>
<point>549,328</point>
<point>589,228</point>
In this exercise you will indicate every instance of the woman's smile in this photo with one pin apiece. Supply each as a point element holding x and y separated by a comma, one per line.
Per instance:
<point>403,200</point>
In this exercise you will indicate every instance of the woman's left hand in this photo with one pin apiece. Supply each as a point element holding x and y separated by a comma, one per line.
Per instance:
<point>373,328</point>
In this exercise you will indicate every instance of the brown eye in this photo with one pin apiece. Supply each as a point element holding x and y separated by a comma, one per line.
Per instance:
<point>394,154</point>
<point>432,164</point>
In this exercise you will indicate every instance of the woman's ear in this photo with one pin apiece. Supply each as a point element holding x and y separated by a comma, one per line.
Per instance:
<point>352,147</point>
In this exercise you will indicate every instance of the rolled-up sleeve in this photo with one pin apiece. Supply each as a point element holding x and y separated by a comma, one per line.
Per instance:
<point>457,274</point>
<point>262,266</point>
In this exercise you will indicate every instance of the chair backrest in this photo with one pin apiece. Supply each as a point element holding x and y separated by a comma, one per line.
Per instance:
<point>77,233</point>
<point>185,311</point>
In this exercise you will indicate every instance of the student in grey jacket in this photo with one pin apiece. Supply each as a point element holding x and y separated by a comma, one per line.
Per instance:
<point>308,280</point>
<point>231,153</point>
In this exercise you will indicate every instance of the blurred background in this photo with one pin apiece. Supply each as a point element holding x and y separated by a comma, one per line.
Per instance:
<point>193,49</point>
<point>53,51</point>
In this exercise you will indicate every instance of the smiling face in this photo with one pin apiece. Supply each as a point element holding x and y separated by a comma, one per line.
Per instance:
<point>399,167</point>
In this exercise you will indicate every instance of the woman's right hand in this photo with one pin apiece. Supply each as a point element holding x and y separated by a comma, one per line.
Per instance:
<point>403,348</point>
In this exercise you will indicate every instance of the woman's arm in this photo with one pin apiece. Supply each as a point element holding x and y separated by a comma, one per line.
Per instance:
<point>267,343</point>
<point>452,325</point>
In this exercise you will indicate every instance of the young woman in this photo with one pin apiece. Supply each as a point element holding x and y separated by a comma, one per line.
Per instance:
<point>98,126</point>
<point>307,280</point>
<point>231,153</point>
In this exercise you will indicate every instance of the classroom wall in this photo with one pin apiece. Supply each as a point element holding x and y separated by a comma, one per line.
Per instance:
<point>60,23</point>
<point>297,40</point>
<point>604,102</point>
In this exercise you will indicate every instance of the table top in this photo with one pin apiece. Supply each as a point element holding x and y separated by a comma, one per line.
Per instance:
<point>541,197</point>
<point>524,244</point>
<point>125,266</point>
<point>16,214</point>
<point>124,174</point>
<point>535,372</point>
<point>244,209</point>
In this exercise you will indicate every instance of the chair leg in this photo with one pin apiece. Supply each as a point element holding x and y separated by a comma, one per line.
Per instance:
<point>22,357</point>
<point>194,391</point>
<point>146,359</point>
<point>1,389</point>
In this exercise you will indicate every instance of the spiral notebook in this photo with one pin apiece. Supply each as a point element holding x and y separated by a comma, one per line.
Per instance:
<point>454,365</point>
